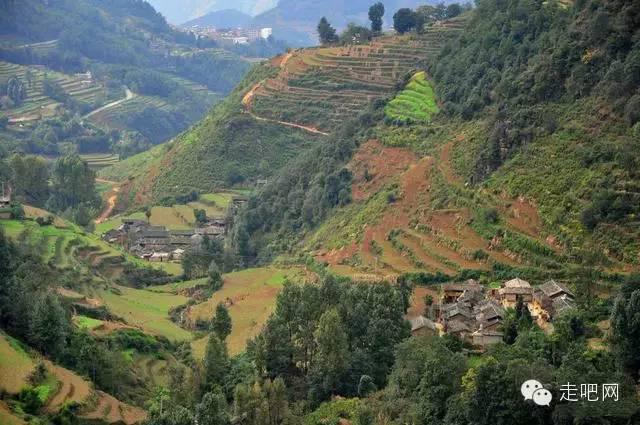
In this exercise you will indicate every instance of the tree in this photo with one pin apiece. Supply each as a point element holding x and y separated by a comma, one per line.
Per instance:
<point>212,410</point>
<point>366,386</point>
<point>200,216</point>
<point>376,12</point>
<point>625,327</point>
<point>221,322</point>
<point>355,34</point>
<point>16,90</point>
<point>30,179</point>
<point>404,20</point>
<point>453,10</point>
<point>326,32</point>
<point>216,363</point>
<point>332,358</point>
<point>261,403</point>
<point>73,184</point>
<point>215,280</point>
<point>48,325</point>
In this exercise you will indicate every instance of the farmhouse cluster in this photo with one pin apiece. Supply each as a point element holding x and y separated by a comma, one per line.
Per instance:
<point>475,313</point>
<point>157,243</point>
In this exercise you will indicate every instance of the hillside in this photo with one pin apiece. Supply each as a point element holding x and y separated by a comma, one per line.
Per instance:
<point>281,109</point>
<point>227,18</point>
<point>139,81</point>
<point>189,10</point>
<point>496,181</point>
<point>61,387</point>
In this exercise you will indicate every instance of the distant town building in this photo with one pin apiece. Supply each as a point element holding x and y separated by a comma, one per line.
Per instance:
<point>266,33</point>
<point>240,40</point>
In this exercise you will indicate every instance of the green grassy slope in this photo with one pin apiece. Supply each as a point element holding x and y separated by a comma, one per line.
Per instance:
<point>227,148</point>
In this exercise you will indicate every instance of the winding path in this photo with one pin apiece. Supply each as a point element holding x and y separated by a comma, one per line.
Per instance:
<point>248,99</point>
<point>112,200</point>
<point>128,96</point>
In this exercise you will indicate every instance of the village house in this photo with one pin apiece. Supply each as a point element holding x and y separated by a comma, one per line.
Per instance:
<point>160,257</point>
<point>483,338</point>
<point>513,290</point>
<point>422,326</point>
<point>475,313</point>
<point>211,231</point>
<point>489,315</point>
<point>177,254</point>
<point>469,312</point>
<point>451,291</point>
<point>551,299</point>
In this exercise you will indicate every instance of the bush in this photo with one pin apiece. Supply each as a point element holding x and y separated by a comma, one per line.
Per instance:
<point>135,339</point>
<point>45,221</point>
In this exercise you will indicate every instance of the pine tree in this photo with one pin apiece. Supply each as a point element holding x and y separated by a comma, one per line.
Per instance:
<point>48,325</point>
<point>216,363</point>
<point>376,12</point>
<point>215,277</point>
<point>332,358</point>
<point>221,323</point>
<point>326,32</point>
<point>212,410</point>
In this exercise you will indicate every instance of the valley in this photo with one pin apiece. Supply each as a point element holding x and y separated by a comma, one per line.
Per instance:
<point>399,225</point>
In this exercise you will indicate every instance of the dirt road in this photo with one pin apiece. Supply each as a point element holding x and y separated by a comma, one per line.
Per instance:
<point>112,200</point>
<point>128,96</point>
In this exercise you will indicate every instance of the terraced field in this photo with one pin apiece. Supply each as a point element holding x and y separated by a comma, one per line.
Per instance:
<point>416,103</point>
<point>176,217</point>
<point>250,296</point>
<point>115,117</point>
<point>15,365</point>
<point>65,245</point>
<point>98,161</point>
<point>60,388</point>
<point>38,105</point>
<point>395,225</point>
<point>146,310</point>
<point>320,87</point>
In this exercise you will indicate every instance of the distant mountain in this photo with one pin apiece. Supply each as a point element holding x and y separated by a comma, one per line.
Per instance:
<point>295,20</point>
<point>186,10</point>
<point>228,18</point>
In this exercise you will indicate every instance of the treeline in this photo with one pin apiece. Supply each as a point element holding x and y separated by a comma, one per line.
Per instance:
<point>324,339</point>
<point>66,187</point>
<point>404,20</point>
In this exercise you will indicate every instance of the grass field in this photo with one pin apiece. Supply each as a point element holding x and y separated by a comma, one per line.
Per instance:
<point>416,103</point>
<point>15,365</point>
<point>250,295</point>
<point>84,322</point>
<point>176,217</point>
<point>146,309</point>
